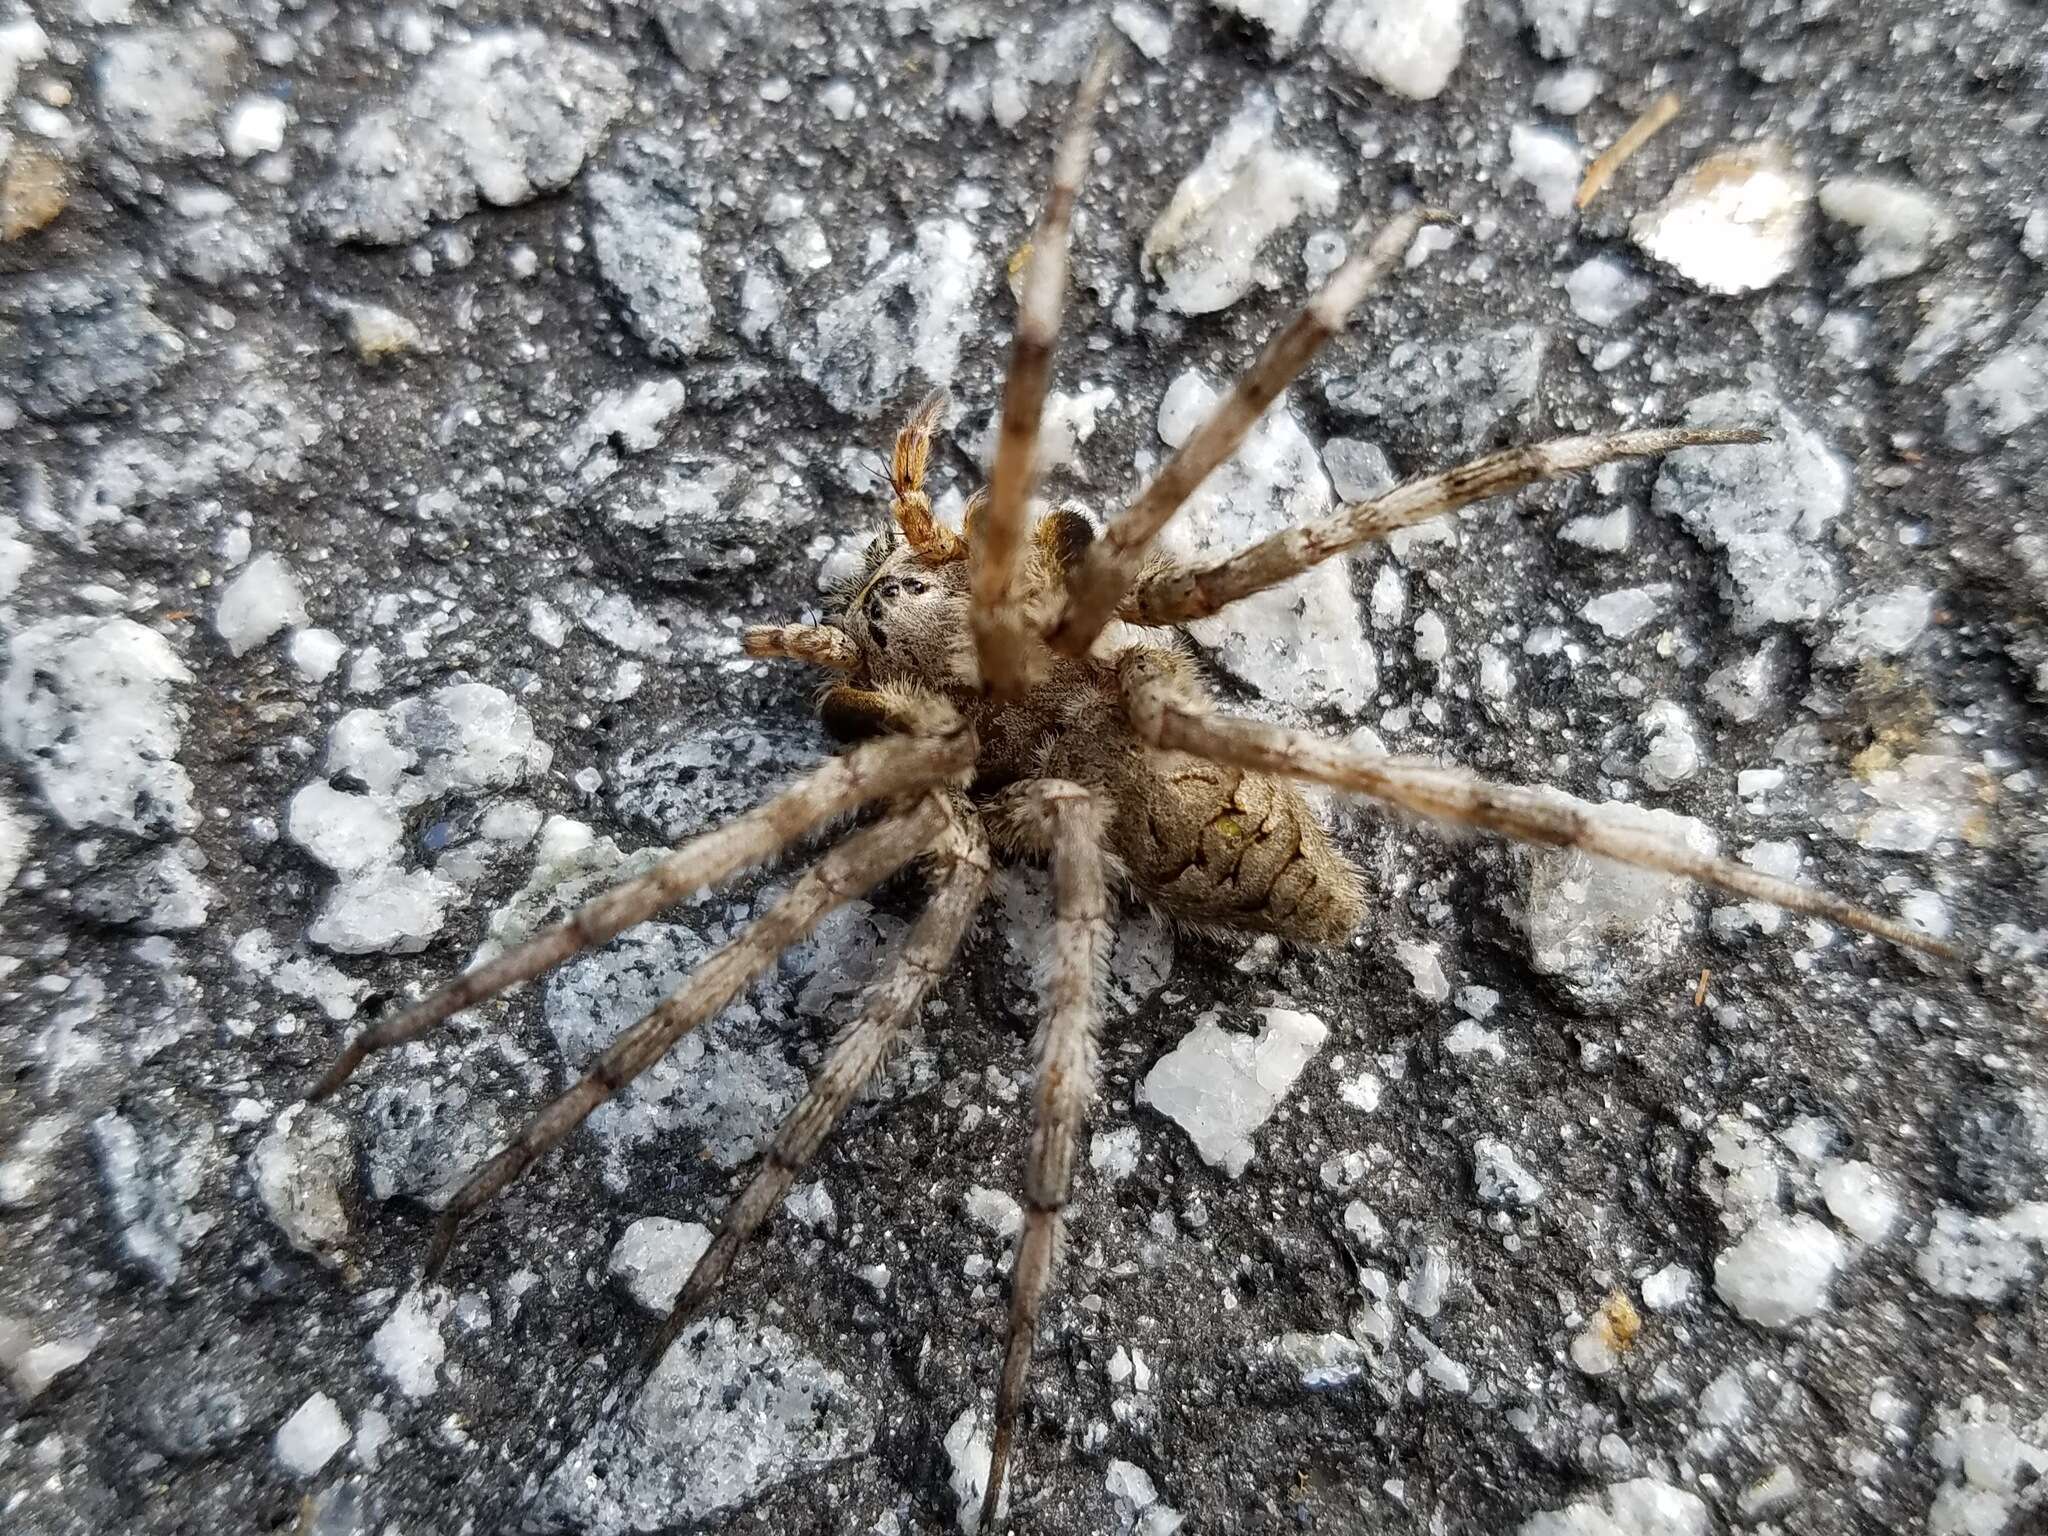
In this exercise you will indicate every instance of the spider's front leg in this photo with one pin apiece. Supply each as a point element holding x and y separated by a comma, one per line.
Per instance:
<point>1070,824</point>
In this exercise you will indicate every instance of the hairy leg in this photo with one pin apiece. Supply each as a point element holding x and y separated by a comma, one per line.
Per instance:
<point>963,875</point>
<point>1168,717</point>
<point>1066,1083</point>
<point>817,644</point>
<point>1185,593</point>
<point>852,868</point>
<point>1000,642</point>
<point>1113,561</point>
<point>934,543</point>
<point>874,771</point>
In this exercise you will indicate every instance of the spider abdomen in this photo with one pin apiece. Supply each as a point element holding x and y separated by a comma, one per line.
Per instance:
<point>1217,846</point>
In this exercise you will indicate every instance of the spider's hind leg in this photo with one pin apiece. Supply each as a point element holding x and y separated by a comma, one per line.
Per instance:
<point>963,859</point>
<point>1167,715</point>
<point>945,749</point>
<point>852,868</point>
<point>1071,819</point>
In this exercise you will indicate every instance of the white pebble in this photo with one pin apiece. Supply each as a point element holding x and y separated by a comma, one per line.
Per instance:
<point>1408,46</point>
<point>654,1256</point>
<point>1668,1289</point>
<point>1735,222</point>
<point>1779,1273</point>
<point>258,603</point>
<point>256,127</point>
<point>307,1440</point>
<point>1220,1087</point>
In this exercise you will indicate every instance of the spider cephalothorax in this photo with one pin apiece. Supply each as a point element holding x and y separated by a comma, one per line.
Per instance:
<point>1018,688</point>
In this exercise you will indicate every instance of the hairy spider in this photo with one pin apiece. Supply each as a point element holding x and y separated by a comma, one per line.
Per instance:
<point>1019,689</point>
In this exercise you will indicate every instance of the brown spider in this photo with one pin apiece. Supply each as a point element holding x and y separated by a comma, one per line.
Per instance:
<point>1019,688</point>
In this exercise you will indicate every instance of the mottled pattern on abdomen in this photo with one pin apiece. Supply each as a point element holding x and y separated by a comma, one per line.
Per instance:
<point>1218,845</point>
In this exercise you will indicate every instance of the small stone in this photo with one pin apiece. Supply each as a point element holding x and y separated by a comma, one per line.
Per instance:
<point>1897,226</point>
<point>33,1367</point>
<point>1860,1198</point>
<point>1304,643</point>
<point>256,127</point>
<point>377,334</point>
<point>1114,1154</point>
<point>1221,1087</point>
<point>650,255</point>
<point>1558,25</point>
<point>1408,46</point>
<point>1325,1361</point>
<point>995,1212</point>
<point>1736,222</point>
<point>1645,1506</point>
<point>1598,928</point>
<point>654,1256</point>
<point>1668,1289</point>
<point>2006,393</point>
<point>1766,506</point>
<point>500,118</point>
<point>1499,1180</point>
<point>1425,970</point>
<point>300,1169</point>
<point>316,653</point>
<point>160,87</point>
<point>1603,290</point>
<point>1204,249</point>
<point>263,599</point>
<point>34,189</point>
<point>152,1175</point>
<point>1673,754</point>
<point>1984,1258</point>
<point>307,1440</point>
<point>1548,163</point>
<point>1779,1273</point>
<point>968,1449</point>
<point>914,314</point>
<point>408,1347</point>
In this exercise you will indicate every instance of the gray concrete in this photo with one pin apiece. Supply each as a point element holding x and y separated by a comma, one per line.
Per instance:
<point>386,479</point>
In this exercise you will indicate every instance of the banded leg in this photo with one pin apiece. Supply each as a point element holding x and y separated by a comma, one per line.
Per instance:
<point>876,770</point>
<point>1000,643</point>
<point>1166,716</point>
<point>852,868</point>
<point>1113,561</point>
<point>963,877</point>
<point>1185,593</point>
<point>1066,1084</point>
<point>817,644</point>
<point>933,542</point>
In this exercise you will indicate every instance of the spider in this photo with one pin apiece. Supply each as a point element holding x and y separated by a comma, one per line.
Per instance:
<point>1020,689</point>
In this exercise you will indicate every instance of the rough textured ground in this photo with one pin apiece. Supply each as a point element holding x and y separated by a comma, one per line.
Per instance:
<point>402,416</point>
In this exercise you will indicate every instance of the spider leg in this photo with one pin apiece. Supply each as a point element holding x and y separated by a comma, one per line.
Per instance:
<point>873,771</point>
<point>1180,594</point>
<point>1114,560</point>
<point>933,541</point>
<point>818,644</point>
<point>855,866</point>
<point>1168,716</point>
<point>1001,644</point>
<point>1066,1084</point>
<point>964,867</point>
